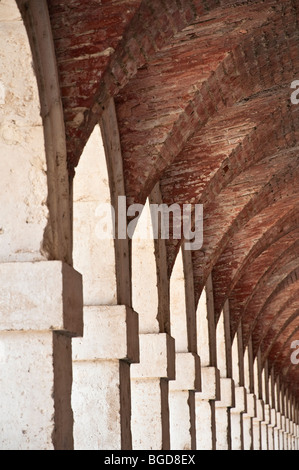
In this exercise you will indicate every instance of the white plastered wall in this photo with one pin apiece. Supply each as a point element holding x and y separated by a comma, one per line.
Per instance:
<point>23,195</point>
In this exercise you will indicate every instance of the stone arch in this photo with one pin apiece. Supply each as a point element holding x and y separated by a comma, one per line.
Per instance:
<point>144,274</point>
<point>183,389</point>
<point>215,125</point>
<point>58,236</point>
<point>24,211</point>
<point>94,225</point>
<point>38,261</point>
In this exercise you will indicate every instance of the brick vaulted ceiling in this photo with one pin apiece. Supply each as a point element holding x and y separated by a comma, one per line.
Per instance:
<point>202,94</point>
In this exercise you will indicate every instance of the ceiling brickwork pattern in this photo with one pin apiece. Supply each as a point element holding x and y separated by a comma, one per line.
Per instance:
<point>202,93</point>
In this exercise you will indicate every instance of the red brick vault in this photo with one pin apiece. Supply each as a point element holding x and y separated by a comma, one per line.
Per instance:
<point>202,92</point>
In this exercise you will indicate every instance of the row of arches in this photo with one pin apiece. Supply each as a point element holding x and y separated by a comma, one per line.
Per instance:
<point>210,373</point>
<point>120,343</point>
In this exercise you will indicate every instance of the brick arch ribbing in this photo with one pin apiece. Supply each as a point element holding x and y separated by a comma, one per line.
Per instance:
<point>280,234</point>
<point>270,286</point>
<point>227,216</point>
<point>203,169</point>
<point>155,130</point>
<point>109,42</point>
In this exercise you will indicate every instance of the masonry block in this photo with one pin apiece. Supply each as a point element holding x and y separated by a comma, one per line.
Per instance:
<point>157,357</point>
<point>110,332</point>
<point>187,372</point>
<point>210,384</point>
<point>41,296</point>
<point>227,393</point>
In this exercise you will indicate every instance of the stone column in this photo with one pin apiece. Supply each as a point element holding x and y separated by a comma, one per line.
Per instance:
<point>101,388</point>
<point>150,298</point>
<point>236,416</point>
<point>247,421</point>
<point>293,422</point>
<point>40,300</point>
<point>271,426</point>
<point>278,429</point>
<point>288,415</point>
<point>256,423</point>
<point>183,329</point>
<point>297,428</point>
<point>266,428</point>
<point>210,374</point>
<point>288,434</point>
<point>149,386</point>
<point>182,401</point>
<point>237,432</point>
<point>205,408</point>
<point>266,437</point>
<point>278,433</point>
<point>284,432</point>
<point>40,310</point>
<point>249,425</point>
<point>110,344</point>
<point>222,410</point>
<point>227,386</point>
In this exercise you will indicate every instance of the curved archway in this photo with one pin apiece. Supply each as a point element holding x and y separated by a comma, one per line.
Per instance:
<point>23,199</point>
<point>36,241</point>
<point>93,225</point>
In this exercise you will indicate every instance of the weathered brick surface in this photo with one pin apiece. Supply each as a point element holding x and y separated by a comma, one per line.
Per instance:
<point>193,79</point>
<point>272,243</point>
<point>284,268</point>
<point>227,146</point>
<point>202,93</point>
<point>276,279</point>
<point>123,36</point>
<point>279,321</point>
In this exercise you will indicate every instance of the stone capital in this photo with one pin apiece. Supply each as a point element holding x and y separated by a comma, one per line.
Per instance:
<point>43,295</point>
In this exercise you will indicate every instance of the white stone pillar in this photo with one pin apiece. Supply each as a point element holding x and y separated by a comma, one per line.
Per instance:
<point>205,408</point>
<point>278,432</point>
<point>40,310</point>
<point>256,424</point>
<point>292,423</point>
<point>237,434</point>
<point>101,387</point>
<point>236,416</point>
<point>293,430</point>
<point>222,413</point>
<point>181,401</point>
<point>227,386</point>
<point>247,421</point>
<point>290,434</point>
<point>271,426</point>
<point>281,432</point>
<point>183,329</point>
<point>266,429</point>
<point>149,387</point>
<point>284,431</point>
<point>93,247</point>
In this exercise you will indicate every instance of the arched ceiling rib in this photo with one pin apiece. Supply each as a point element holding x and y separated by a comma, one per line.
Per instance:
<point>202,94</point>
<point>176,104</point>
<point>225,148</point>
<point>268,246</point>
